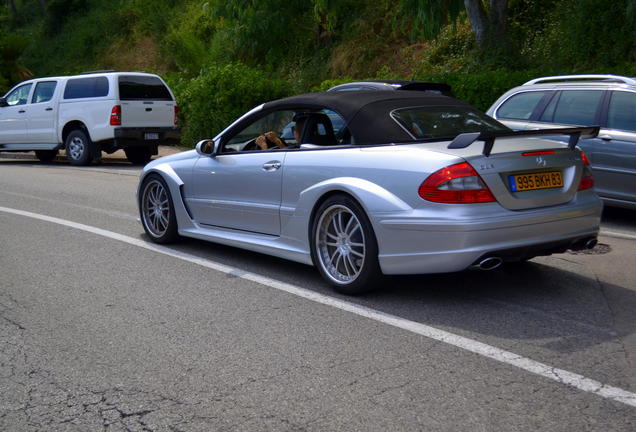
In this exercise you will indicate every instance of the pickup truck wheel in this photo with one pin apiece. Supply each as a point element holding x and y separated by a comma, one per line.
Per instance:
<point>138,155</point>
<point>45,155</point>
<point>79,148</point>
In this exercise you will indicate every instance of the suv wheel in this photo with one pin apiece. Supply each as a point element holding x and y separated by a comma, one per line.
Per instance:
<point>79,148</point>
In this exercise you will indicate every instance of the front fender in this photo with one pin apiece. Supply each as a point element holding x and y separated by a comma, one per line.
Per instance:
<point>174,182</point>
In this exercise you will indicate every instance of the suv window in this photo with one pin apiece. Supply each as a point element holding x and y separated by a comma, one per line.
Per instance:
<point>621,113</point>
<point>79,88</point>
<point>136,87</point>
<point>576,107</point>
<point>521,106</point>
<point>43,91</point>
<point>19,96</point>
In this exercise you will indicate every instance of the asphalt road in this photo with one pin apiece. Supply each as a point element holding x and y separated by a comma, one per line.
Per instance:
<point>98,332</point>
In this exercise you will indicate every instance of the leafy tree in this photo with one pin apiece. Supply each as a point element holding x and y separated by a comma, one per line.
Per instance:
<point>488,21</point>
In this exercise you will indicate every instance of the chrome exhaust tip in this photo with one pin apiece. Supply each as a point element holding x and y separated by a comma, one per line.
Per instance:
<point>489,263</point>
<point>591,243</point>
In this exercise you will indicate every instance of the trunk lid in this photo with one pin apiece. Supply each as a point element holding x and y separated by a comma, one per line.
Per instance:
<point>523,173</point>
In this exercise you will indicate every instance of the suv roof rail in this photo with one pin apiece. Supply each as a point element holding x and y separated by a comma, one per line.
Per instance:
<point>606,78</point>
<point>97,71</point>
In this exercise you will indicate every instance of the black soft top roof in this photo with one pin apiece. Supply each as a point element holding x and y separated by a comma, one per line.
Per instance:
<point>366,113</point>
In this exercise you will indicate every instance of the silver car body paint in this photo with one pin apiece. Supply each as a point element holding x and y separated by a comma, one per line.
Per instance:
<point>270,211</point>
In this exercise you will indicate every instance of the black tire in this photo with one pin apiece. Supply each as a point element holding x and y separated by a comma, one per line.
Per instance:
<point>138,155</point>
<point>45,155</point>
<point>349,262</point>
<point>79,148</point>
<point>156,210</point>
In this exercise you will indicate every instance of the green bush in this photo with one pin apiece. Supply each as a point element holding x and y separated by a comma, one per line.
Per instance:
<point>219,95</point>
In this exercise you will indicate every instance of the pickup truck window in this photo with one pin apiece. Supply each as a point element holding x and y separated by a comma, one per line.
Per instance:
<point>43,91</point>
<point>135,87</point>
<point>79,88</point>
<point>19,96</point>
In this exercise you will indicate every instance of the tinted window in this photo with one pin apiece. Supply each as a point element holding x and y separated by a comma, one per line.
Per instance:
<point>135,87</point>
<point>576,107</point>
<point>520,106</point>
<point>444,121</point>
<point>622,111</point>
<point>19,96</point>
<point>43,91</point>
<point>86,88</point>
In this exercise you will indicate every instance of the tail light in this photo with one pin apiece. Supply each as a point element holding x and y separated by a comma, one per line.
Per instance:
<point>115,116</point>
<point>456,184</point>
<point>176,115</point>
<point>587,180</point>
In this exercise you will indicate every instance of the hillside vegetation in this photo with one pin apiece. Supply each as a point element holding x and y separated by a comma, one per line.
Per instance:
<point>223,57</point>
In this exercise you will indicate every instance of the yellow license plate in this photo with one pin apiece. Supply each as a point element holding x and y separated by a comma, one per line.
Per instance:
<point>544,180</point>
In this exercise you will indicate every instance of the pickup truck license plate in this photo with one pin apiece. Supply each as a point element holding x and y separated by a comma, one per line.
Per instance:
<point>151,136</point>
<point>544,180</point>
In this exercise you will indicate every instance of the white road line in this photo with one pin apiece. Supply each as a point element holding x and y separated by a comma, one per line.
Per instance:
<point>559,375</point>
<point>112,213</point>
<point>618,235</point>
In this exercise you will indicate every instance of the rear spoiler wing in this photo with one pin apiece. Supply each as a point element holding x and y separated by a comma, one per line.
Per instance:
<point>466,139</point>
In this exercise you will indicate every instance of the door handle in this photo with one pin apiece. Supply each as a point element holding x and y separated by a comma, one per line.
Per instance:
<point>21,111</point>
<point>606,137</point>
<point>271,166</point>
<point>49,109</point>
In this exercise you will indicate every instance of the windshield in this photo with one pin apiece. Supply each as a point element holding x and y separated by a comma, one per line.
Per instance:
<point>444,121</point>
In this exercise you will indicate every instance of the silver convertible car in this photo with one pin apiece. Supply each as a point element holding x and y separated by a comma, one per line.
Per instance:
<point>374,183</point>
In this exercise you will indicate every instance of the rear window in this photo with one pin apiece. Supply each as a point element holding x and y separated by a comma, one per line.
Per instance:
<point>79,88</point>
<point>444,121</point>
<point>136,87</point>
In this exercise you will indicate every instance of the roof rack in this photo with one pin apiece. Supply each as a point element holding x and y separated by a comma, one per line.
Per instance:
<point>97,71</point>
<point>606,78</point>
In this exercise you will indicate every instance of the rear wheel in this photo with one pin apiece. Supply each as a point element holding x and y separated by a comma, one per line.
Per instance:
<point>45,155</point>
<point>344,247</point>
<point>157,210</point>
<point>79,148</point>
<point>138,155</point>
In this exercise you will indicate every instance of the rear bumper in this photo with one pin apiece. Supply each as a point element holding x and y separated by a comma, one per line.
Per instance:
<point>417,244</point>
<point>146,136</point>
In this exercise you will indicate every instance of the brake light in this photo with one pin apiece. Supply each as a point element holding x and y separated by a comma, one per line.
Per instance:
<point>115,116</point>
<point>455,184</point>
<point>587,180</point>
<point>176,115</point>
<point>538,153</point>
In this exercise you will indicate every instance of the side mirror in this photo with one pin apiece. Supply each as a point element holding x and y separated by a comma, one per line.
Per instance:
<point>3,102</point>
<point>206,147</point>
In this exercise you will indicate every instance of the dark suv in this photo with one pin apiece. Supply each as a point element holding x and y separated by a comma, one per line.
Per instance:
<point>608,101</point>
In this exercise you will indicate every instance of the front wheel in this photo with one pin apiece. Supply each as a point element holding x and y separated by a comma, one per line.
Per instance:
<point>79,148</point>
<point>344,247</point>
<point>157,210</point>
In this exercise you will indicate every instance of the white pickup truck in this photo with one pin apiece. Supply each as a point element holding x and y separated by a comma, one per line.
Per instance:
<point>89,113</point>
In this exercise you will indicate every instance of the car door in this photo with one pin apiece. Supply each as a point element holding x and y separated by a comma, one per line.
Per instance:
<point>613,155</point>
<point>13,121</point>
<point>240,187</point>
<point>42,114</point>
